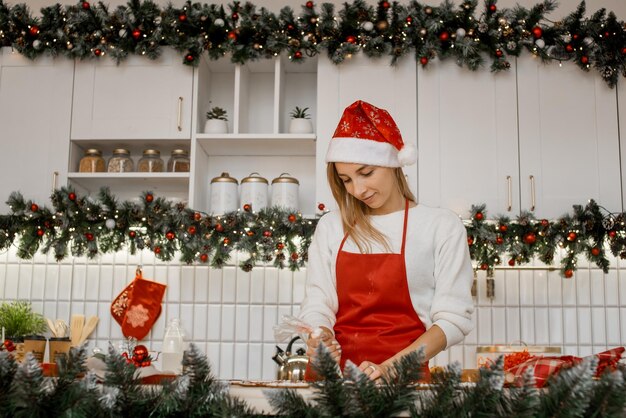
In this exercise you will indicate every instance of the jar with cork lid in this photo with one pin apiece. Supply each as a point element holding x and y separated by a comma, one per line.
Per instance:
<point>120,161</point>
<point>150,162</point>
<point>92,162</point>
<point>178,162</point>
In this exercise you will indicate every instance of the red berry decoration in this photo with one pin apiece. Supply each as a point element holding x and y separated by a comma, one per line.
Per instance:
<point>267,234</point>
<point>235,16</point>
<point>297,54</point>
<point>385,5</point>
<point>499,240</point>
<point>569,273</point>
<point>575,36</point>
<point>595,251</point>
<point>182,17</point>
<point>499,53</point>
<point>537,32</point>
<point>232,35</point>
<point>612,234</point>
<point>72,196</point>
<point>157,250</point>
<point>189,58</point>
<point>572,236</point>
<point>191,230</point>
<point>504,228</point>
<point>624,50</point>
<point>569,48</point>
<point>492,8</point>
<point>470,240</point>
<point>140,352</point>
<point>530,238</point>
<point>290,27</point>
<point>226,241</point>
<point>89,236</point>
<point>444,36</point>
<point>423,60</point>
<point>34,207</point>
<point>545,223</point>
<point>204,257</point>
<point>409,19</point>
<point>321,206</point>
<point>8,345</point>
<point>136,33</point>
<point>479,216</point>
<point>85,5</point>
<point>484,266</point>
<point>292,218</point>
<point>132,234</point>
<point>351,39</point>
<point>512,262</point>
<point>97,52</point>
<point>219,228</point>
<point>584,59</point>
<point>40,232</point>
<point>247,207</point>
<point>149,197</point>
<point>294,256</point>
<point>197,216</point>
<point>280,246</point>
<point>170,235</point>
<point>34,30</point>
<point>309,4</point>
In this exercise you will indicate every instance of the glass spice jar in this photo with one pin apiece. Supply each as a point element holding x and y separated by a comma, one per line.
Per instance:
<point>92,162</point>
<point>178,162</point>
<point>151,162</point>
<point>120,162</point>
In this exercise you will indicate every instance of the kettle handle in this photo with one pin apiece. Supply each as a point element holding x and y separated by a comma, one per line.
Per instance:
<point>288,350</point>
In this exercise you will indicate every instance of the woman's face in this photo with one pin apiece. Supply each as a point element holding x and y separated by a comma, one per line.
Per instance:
<point>373,185</point>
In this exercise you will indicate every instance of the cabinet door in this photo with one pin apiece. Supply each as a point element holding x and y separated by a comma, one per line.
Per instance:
<point>467,136</point>
<point>35,113</point>
<point>374,81</point>
<point>138,99</point>
<point>568,136</point>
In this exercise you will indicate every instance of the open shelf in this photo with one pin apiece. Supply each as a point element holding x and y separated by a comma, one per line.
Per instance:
<point>258,144</point>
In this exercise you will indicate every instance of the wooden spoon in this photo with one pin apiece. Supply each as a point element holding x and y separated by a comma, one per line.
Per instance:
<point>88,329</point>
<point>76,328</point>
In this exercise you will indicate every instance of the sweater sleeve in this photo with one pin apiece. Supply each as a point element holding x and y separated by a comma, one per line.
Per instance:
<point>452,305</point>
<point>320,303</point>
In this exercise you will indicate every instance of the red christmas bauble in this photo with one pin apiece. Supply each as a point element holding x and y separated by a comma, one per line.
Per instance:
<point>423,60</point>
<point>309,4</point>
<point>72,196</point>
<point>132,234</point>
<point>170,235</point>
<point>235,16</point>
<point>226,241</point>
<point>297,54</point>
<point>157,250</point>
<point>182,17</point>
<point>34,207</point>
<point>499,240</point>
<point>189,58</point>
<point>444,36</point>
<point>595,251</point>
<point>484,266</point>
<point>503,228</point>
<point>294,256</point>
<point>280,246</point>
<point>612,234</point>
<point>247,207</point>
<point>351,39</point>
<point>85,5</point>
<point>40,232</point>
<point>479,216</point>
<point>569,273</point>
<point>470,240</point>
<point>232,35</point>
<point>492,8</point>
<point>197,216</point>
<point>140,352</point>
<point>569,48</point>
<point>219,228</point>
<point>512,262</point>
<point>267,234</point>
<point>530,238</point>
<point>250,233</point>
<point>136,33</point>
<point>46,224</point>
<point>499,53</point>
<point>290,27</point>
<point>145,363</point>
<point>409,19</point>
<point>572,236</point>
<point>584,59</point>
<point>191,230</point>
<point>385,5</point>
<point>292,218</point>
<point>575,36</point>
<point>89,236</point>
<point>204,257</point>
<point>34,30</point>
<point>97,52</point>
<point>321,206</point>
<point>545,223</point>
<point>624,50</point>
<point>149,197</point>
<point>537,32</point>
<point>607,34</point>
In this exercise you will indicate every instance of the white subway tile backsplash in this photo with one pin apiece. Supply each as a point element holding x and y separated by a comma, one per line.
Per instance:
<point>611,288</point>
<point>229,285</point>
<point>527,291</point>
<point>214,322</point>
<point>200,319</point>
<point>483,318</point>
<point>243,286</point>
<point>583,287</point>
<point>257,286</point>
<point>201,285</point>
<point>542,326</point>
<point>584,325</point>
<point>213,356</point>
<point>527,329</point>
<point>242,316</point>
<point>512,287</point>
<point>613,337</point>
<point>299,280</point>
<point>38,282</point>
<point>598,325</point>
<point>255,361</point>
<point>25,282</point>
<point>271,286</point>
<point>499,326</point>
<point>215,285</point>
<point>285,285</point>
<point>228,323</point>
<point>105,283</point>
<point>597,283</point>
<point>568,287</point>
<point>513,323</point>
<point>570,326</point>
<point>270,318</point>
<point>540,288</point>
<point>556,326</point>
<point>555,293</point>
<point>187,290</point>
<point>499,298</point>
<point>240,360</point>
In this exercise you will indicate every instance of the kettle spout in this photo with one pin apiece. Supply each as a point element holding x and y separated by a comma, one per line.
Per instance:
<point>280,357</point>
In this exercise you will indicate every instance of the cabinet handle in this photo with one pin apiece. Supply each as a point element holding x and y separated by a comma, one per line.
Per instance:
<point>180,113</point>
<point>532,193</point>
<point>509,204</point>
<point>55,176</point>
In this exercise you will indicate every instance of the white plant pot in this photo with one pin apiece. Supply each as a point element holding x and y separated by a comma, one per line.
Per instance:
<point>300,126</point>
<point>215,126</point>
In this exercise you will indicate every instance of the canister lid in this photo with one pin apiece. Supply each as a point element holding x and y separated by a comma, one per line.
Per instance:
<point>180,152</point>
<point>121,151</point>
<point>93,151</point>
<point>285,178</point>
<point>224,178</point>
<point>151,152</point>
<point>254,178</point>
<point>516,348</point>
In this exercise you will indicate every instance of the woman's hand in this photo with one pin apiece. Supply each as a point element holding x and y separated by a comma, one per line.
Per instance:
<point>372,370</point>
<point>326,337</point>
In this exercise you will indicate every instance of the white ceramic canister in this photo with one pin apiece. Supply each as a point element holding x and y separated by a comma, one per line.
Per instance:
<point>224,193</point>
<point>285,192</point>
<point>254,192</point>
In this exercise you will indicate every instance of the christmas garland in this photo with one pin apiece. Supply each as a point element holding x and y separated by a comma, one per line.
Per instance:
<point>86,226</point>
<point>446,31</point>
<point>26,392</point>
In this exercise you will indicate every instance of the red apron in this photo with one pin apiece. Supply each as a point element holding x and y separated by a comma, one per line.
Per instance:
<point>376,318</point>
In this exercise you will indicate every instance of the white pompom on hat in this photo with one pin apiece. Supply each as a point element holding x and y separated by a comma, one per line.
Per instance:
<point>369,135</point>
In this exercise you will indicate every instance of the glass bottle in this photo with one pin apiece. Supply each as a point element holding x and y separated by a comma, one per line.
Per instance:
<point>178,162</point>
<point>151,162</point>
<point>120,162</point>
<point>92,162</point>
<point>173,347</point>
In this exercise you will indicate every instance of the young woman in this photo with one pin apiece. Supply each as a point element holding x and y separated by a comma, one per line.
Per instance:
<point>385,275</point>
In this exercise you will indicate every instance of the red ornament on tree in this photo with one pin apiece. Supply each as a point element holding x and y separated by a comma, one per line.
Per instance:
<point>294,256</point>
<point>569,48</point>
<point>204,257</point>
<point>72,196</point>
<point>140,353</point>
<point>423,60</point>
<point>537,32</point>
<point>136,33</point>
<point>409,20</point>
<point>170,235</point>
<point>226,241</point>
<point>612,234</point>
<point>499,240</point>
<point>297,54</point>
<point>624,50</point>
<point>149,197</point>
<point>34,207</point>
<point>182,17</point>
<point>499,53</point>
<point>444,36</point>
<point>247,207</point>
<point>503,228</point>
<point>235,16</point>
<point>290,27</point>
<point>470,240</point>
<point>492,8</point>
<point>595,251</point>
<point>89,236</point>
<point>40,232</point>
<point>191,230</point>
<point>309,4</point>
<point>512,262</point>
<point>545,223</point>
<point>575,36</point>
<point>479,216</point>
<point>292,218</point>
<point>97,52</point>
<point>189,58</point>
<point>280,246</point>
<point>197,216</point>
<point>351,39</point>
<point>232,36</point>
<point>34,30</point>
<point>385,5</point>
<point>157,250</point>
<point>530,238</point>
<point>85,5</point>
<point>484,266</point>
<point>569,273</point>
<point>250,233</point>
<point>219,228</point>
<point>132,234</point>
<point>267,234</point>
<point>584,59</point>
<point>321,206</point>
<point>572,236</point>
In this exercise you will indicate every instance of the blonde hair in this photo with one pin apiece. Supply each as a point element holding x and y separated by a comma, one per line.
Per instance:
<point>354,213</point>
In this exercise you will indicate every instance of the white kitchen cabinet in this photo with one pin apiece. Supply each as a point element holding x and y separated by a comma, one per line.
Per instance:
<point>35,114</point>
<point>621,101</point>
<point>137,99</point>
<point>375,81</point>
<point>538,138</point>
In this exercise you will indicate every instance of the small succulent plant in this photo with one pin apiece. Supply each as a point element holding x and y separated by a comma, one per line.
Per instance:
<point>300,113</point>
<point>216,113</point>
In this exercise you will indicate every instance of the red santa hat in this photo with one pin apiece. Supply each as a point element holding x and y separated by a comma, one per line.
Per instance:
<point>368,135</point>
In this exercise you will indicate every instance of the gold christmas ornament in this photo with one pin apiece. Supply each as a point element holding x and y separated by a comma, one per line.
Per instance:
<point>428,10</point>
<point>382,25</point>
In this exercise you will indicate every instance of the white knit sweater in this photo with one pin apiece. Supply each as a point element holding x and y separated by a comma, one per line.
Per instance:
<point>438,268</point>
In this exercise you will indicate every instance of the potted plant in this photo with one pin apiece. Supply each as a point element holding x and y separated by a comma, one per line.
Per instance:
<point>216,121</point>
<point>300,121</point>
<point>19,320</point>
